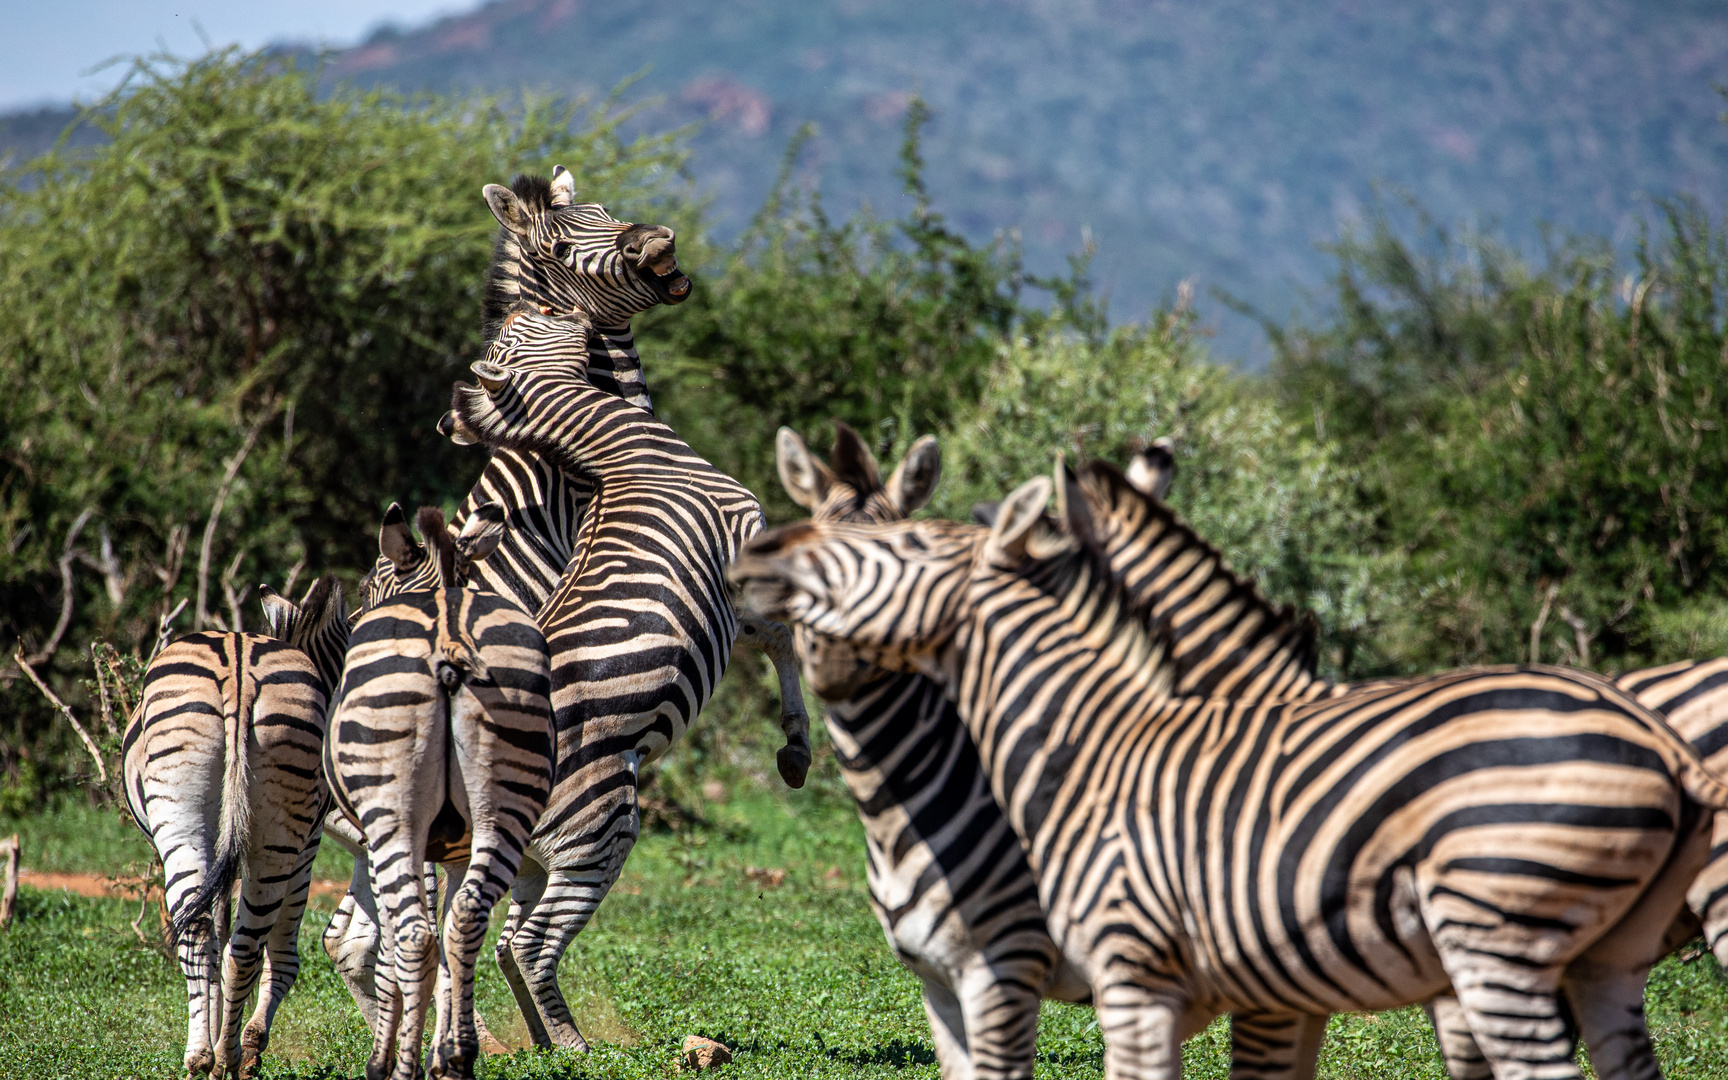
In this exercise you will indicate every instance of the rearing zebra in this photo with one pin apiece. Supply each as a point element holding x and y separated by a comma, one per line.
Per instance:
<point>640,627</point>
<point>553,251</point>
<point>948,881</point>
<point>1509,832</point>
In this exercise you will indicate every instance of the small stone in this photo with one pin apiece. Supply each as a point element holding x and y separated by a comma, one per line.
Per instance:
<point>767,877</point>
<point>834,878</point>
<point>701,1053</point>
<point>714,791</point>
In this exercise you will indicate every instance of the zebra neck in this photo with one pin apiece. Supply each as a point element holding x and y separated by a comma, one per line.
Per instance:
<point>615,367</point>
<point>1043,668</point>
<point>543,508</point>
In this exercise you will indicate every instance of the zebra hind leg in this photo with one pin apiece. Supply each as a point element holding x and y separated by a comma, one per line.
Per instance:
<point>569,901</point>
<point>1282,1045</point>
<point>281,964</point>
<point>525,893</point>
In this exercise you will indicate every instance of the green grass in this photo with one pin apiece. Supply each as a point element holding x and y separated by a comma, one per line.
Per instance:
<point>796,978</point>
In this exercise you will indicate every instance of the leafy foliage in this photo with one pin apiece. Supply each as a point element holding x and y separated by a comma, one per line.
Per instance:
<point>230,328</point>
<point>1539,443</point>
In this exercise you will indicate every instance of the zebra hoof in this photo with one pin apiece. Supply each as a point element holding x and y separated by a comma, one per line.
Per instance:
<point>793,763</point>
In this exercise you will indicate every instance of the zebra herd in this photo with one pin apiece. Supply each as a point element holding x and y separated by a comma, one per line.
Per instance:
<point>1091,762</point>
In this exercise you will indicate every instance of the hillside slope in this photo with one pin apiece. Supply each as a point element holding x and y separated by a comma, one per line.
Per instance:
<point>1216,141</point>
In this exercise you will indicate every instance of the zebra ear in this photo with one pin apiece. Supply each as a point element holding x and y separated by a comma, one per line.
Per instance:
<point>805,478</point>
<point>1153,468</point>
<point>914,479</point>
<point>481,533</point>
<point>322,604</point>
<point>852,462</point>
<point>279,613</point>
<point>985,513</point>
<point>507,208</point>
<point>563,186</point>
<point>394,540</point>
<point>1021,512</point>
<point>1071,506</point>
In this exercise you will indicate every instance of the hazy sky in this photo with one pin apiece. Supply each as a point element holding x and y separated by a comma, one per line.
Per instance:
<point>46,46</point>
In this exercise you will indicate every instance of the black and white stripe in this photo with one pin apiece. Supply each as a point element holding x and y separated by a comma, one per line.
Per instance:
<point>948,881</point>
<point>1514,833</point>
<point>641,627</point>
<point>439,750</point>
<point>221,772</point>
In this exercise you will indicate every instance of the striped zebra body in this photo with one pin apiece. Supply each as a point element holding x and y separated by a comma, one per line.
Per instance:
<point>220,763</point>
<point>1263,653</point>
<point>555,253</point>
<point>440,750</point>
<point>948,881</point>
<point>1510,832</point>
<point>640,627</point>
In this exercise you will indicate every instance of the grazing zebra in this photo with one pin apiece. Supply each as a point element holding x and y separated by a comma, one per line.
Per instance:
<point>439,750</point>
<point>640,627</point>
<point>1512,832</point>
<point>221,772</point>
<point>948,881</point>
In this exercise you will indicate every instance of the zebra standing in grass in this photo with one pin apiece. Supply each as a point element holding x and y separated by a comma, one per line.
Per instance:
<point>948,881</point>
<point>641,626</point>
<point>1510,832</point>
<point>440,750</point>
<point>221,772</point>
<point>1227,641</point>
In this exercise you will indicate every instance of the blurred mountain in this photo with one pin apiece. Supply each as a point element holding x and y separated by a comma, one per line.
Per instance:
<point>1213,141</point>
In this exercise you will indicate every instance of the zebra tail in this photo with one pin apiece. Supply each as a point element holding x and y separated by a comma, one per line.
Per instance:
<point>235,820</point>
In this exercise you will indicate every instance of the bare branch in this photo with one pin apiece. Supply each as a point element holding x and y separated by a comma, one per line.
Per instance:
<point>235,599</point>
<point>102,687</point>
<point>108,565</point>
<point>201,614</point>
<point>67,555</point>
<point>1579,634</point>
<point>293,576</point>
<point>89,743</point>
<point>169,571</point>
<point>163,626</point>
<point>1536,627</point>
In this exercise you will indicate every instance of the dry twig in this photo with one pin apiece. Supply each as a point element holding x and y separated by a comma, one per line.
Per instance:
<point>67,555</point>
<point>164,626</point>
<point>89,743</point>
<point>201,614</point>
<point>1536,627</point>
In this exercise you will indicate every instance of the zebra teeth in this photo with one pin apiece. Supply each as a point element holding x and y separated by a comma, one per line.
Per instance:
<point>679,287</point>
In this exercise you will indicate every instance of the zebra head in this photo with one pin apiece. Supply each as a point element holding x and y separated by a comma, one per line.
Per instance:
<point>904,591</point>
<point>849,488</point>
<point>557,253</point>
<point>317,625</point>
<point>444,560</point>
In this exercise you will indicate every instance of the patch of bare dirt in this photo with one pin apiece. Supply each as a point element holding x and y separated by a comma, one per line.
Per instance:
<point>130,888</point>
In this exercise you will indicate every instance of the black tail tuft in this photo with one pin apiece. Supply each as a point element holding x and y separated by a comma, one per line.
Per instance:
<point>214,891</point>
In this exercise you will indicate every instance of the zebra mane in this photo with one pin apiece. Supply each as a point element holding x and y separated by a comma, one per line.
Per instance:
<point>503,275</point>
<point>1296,630</point>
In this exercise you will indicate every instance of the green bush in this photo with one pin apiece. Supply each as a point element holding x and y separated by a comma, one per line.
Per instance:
<point>245,277</point>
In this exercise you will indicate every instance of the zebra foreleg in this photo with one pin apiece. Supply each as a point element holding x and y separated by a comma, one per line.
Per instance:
<point>1144,1031</point>
<point>775,641</point>
<point>1000,1009</point>
<point>947,1030</point>
<point>1264,1046</point>
<point>1464,1059</point>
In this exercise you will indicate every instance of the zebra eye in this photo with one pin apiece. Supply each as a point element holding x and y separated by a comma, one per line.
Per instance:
<point>565,252</point>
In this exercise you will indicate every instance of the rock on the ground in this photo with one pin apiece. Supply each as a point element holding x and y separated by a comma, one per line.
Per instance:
<point>701,1053</point>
